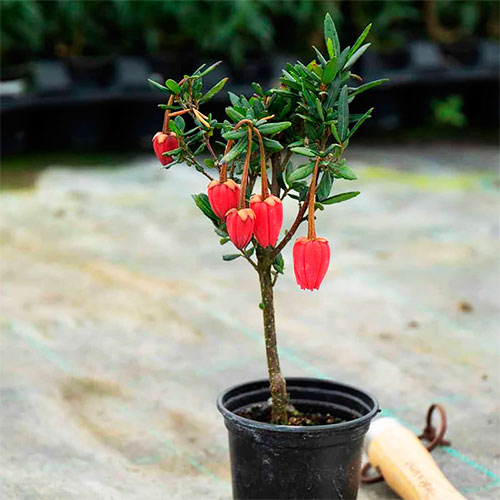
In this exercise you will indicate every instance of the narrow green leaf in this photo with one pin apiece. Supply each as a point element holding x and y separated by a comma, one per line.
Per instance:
<point>159,86</point>
<point>343,172</point>
<point>173,86</point>
<point>329,48</point>
<point>258,89</point>
<point>214,90</point>
<point>343,114</point>
<point>325,186</point>
<point>333,93</point>
<point>235,100</point>
<point>231,256</point>
<point>335,133</point>
<point>360,122</point>
<point>304,152</point>
<point>234,115</point>
<point>368,86</point>
<point>356,55</point>
<point>331,33</point>
<point>235,151</point>
<point>330,71</point>
<point>340,197</point>
<point>321,58</point>
<point>209,69</point>
<point>319,109</point>
<point>203,204</point>
<point>224,240</point>
<point>234,134</point>
<point>272,146</point>
<point>360,39</point>
<point>300,173</point>
<point>273,128</point>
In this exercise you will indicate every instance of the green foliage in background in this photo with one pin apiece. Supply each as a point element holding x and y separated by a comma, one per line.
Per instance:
<point>448,112</point>
<point>230,29</point>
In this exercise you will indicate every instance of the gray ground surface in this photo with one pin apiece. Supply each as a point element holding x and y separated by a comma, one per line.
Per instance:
<point>120,322</point>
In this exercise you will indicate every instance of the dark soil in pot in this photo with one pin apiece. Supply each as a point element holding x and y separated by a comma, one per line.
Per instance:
<point>304,461</point>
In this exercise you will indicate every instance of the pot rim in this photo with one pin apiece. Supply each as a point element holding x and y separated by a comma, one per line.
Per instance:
<point>246,422</point>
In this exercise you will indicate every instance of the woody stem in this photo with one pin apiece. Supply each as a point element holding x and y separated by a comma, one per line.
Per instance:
<point>277,383</point>
<point>244,176</point>
<point>311,229</point>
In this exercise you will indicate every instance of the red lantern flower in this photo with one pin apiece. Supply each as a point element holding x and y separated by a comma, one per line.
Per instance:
<point>311,258</point>
<point>223,196</point>
<point>163,143</point>
<point>240,224</point>
<point>268,218</point>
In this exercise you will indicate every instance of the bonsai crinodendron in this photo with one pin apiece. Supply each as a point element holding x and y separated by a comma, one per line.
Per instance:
<point>306,118</point>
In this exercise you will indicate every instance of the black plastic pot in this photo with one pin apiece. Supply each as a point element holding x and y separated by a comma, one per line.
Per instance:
<point>285,462</point>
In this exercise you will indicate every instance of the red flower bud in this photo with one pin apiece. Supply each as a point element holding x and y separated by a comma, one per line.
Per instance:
<point>162,143</point>
<point>268,218</point>
<point>223,196</point>
<point>240,224</point>
<point>311,258</point>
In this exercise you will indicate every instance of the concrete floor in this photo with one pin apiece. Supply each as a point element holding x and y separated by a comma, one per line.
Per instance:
<point>120,322</point>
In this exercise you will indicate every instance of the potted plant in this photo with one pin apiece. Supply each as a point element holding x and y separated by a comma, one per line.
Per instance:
<point>296,437</point>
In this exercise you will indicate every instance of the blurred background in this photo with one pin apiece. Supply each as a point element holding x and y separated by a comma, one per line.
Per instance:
<point>120,322</point>
<point>74,72</point>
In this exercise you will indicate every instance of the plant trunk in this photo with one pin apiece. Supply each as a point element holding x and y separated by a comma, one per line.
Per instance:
<point>277,384</point>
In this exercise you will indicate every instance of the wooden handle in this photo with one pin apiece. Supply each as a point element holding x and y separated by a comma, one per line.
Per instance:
<point>408,468</point>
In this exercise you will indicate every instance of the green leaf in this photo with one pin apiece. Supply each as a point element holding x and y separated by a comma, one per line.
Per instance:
<point>319,109</point>
<point>360,39</point>
<point>235,134</point>
<point>173,86</point>
<point>273,128</point>
<point>239,148</point>
<point>329,47</point>
<point>343,114</point>
<point>356,55</point>
<point>360,122</point>
<point>333,93</point>
<point>325,186</point>
<point>231,256</point>
<point>174,128</point>
<point>159,86</point>
<point>209,162</point>
<point>343,172</point>
<point>330,71</point>
<point>335,133</point>
<point>214,90</point>
<point>304,151</point>
<point>234,115</point>
<point>340,197</point>
<point>258,89</point>
<point>203,204</point>
<point>331,33</point>
<point>367,86</point>
<point>279,263</point>
<point>321,58</point>
<point>300,173</point>
<point>181,124</point>
<point>224,240</point>
<point>235,100</point>
<point>272,146</point>
<point>209,69</point>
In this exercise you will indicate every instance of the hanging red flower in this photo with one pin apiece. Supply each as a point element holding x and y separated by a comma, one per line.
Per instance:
<point>223,196</point>
<point>240,225</point>
<point>311,258</point>
<point>268,218</point>
<point>163,143</point>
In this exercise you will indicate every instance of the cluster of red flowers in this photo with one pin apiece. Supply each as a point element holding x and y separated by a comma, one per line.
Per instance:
<point>264,218</point>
